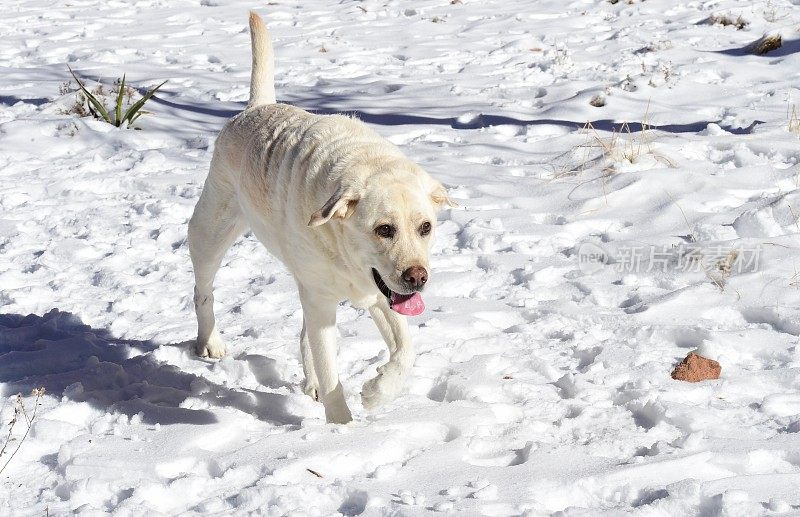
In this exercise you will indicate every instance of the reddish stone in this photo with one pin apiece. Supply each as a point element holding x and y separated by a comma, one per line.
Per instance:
<point>696,368</point>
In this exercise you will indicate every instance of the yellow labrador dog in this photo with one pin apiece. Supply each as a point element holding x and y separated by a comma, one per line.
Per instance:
<point>342,208</point>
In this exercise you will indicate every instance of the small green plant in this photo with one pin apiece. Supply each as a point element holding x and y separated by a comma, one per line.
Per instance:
<point>115,116</point>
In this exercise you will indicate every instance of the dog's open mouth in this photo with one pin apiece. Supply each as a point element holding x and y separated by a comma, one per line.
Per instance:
<point>405,304</point>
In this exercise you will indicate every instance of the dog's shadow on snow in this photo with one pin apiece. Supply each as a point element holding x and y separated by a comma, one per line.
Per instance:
<point>70,359</point>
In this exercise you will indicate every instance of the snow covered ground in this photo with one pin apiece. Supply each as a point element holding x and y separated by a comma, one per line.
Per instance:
<point>542,382</point>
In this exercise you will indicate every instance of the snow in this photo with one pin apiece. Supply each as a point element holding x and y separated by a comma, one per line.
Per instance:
<point>542,382</point>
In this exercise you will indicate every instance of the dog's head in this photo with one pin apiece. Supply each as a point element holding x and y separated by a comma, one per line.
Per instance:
<point>388,225</point>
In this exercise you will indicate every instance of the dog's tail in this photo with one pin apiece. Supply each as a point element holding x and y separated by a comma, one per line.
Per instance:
<point>262,77</point>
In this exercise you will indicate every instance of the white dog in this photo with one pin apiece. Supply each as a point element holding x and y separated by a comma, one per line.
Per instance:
<point>342,208</point>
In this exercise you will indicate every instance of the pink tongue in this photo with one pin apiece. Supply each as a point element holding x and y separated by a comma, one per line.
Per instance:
<point>408,304</point>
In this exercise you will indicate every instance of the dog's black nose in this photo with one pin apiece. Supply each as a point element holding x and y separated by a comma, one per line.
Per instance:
<point>415,276</point>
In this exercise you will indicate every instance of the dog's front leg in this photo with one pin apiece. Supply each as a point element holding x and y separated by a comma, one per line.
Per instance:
<point>391,376</point>
<point>319,317</point>
<point>311,387</point>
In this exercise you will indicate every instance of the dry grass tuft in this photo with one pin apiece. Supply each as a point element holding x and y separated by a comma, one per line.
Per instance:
<point>722,269</point>
<point>598,101</point>
<point>727,20</point>
<point>794,121</point>
<point>606,152</point>
<point>624,145</point>
<point>20,411</point>
<point>78,106</point>
<point>766,44</point>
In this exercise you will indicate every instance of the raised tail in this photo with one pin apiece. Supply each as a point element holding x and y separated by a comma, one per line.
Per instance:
<point>262,76</point>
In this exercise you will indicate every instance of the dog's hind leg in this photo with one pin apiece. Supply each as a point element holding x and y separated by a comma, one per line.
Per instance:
<point>217,222</point>
<point>319,317</point>
<point>391,376</point>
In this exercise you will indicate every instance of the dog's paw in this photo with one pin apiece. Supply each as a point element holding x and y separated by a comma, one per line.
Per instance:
<point>371,397</point>
<point>214,348</point>
<point>383,388</point>
<point>336,410</point>
<point>311,388</point>
<point>338,415</point>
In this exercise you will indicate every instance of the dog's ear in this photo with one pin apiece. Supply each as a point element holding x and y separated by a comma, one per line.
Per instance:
<point>340,205</point>
<point>439,196</point>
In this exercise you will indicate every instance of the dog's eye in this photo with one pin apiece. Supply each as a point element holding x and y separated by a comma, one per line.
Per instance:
<point>385,230</point>
<point>425,228</point>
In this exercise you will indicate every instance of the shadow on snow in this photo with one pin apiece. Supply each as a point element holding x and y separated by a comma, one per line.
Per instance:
<point>478,121</point>
<point>336,104</point>
<point>65,356</point>
<point>787,48</point>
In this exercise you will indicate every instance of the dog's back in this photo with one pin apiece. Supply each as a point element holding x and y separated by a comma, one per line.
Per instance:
<point>281,163</point>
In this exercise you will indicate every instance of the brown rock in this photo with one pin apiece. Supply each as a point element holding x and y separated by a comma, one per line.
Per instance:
<point>696,368</point>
